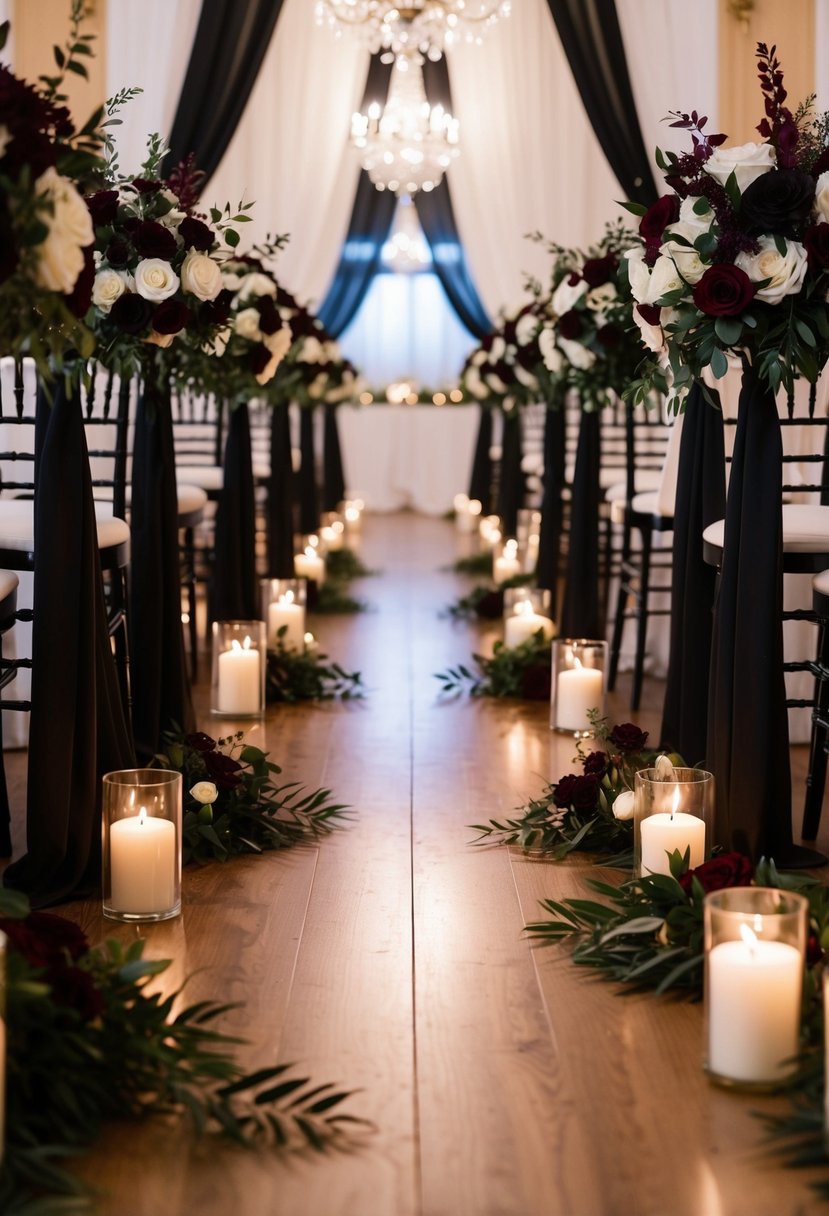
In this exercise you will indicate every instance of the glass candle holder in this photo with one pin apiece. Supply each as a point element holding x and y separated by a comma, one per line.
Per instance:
<point>526,610</point>
<point>308,560</point>
<point>578,684</point>
<point>141,844</point>
<point>755,952</point>
<point>506,563</point>
<point>332,532</point>
<point>283,607</point>
<point>489,530</point>
<point>671,812</point>
<point>528,525</point>
<point>238,674</point>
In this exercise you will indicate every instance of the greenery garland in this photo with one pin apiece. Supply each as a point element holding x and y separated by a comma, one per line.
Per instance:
<point>344,564</point>
<point>308,675</point>
<point>485,601</point>
<point>512,671</point>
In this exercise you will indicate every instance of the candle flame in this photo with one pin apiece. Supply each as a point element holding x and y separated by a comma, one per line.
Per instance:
<point>510,548</point>
<point>288,597</point>
<point>309,637</point>
<point>523,608</point>
<point>675,804</point>
<point>246,643</point>
<point>313,541</point>
<point>142,815</point>
<point>577,663</point>
<point>749,936</point>
<point>234,645</point>
<point>474,507</point>
<point>310,551</point>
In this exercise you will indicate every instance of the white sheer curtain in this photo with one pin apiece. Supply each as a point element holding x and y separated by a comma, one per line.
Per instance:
<point>155,64</point>
<point>529,159</point>
<point>821,58</point>
<point>290,152</point>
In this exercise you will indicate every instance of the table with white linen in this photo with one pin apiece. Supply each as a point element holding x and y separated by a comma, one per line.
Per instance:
<point>415,457</point>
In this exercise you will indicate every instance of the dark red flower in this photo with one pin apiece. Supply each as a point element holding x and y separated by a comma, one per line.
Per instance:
<point>580,793</point>
<point>195,234</point>
<point>269,319</point>
<point>45,939</point>
<point>9,257</point>
<point>535,682</point>
<point>490,606</point>
<point>816,241</point>
<point>79,298</point>
<point>103,207</point>
<point>200,742</point>
<point>216,312</point>
<point>117,253</point>
<point>260,357</point>
<point>658,216</point>
<point>170,317</point>
<point>223,770</point>
<point>153,240</point>
<point>598,271</point>
<point>727,870</point>
<point>131,313</point>
<point>75,989</point>
<point>570,324</point>
<point>723,291</point>
<point>609,336</point>
<point>146,185</point>
<point>778,202</point>
<point>821,164</point>
<point>650,313</point>
<point>814,951</point>
<point>595,764</point>
<point>628,737</point>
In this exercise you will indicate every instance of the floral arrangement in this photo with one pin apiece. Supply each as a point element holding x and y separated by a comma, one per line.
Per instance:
<point>484,601</point>
<point>90,1040</point>
<point>591,812</point>
<point>508,367</point>
<point>736,258</point>
<point>232,805</point>
<point>315,370</point>
<point>587,342</point>
<point>512,671</point>
<point>307,675</point>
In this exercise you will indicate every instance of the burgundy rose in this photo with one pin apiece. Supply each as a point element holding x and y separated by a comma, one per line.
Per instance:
<point>200,742</point>
<point>8,254</point>
<point>170,317</point>
<point>814,951</point>
<point>595,764</point>
<point>628,737</point>
<point>131,225</point>
<point>117,253</point>
<point>723,291</point>
<point>153,240</point>
<point>570,324</point>
<point>609,336</point>
<point>580,793</point>
<point>44,939</point>
<point>223,770</point>
<point>598,271</point>
<point>535,682</point>
<point>75,988</point>
<point>727,870</point>
<point>146,185</point>
<point>195,234</point>
<point>816,241</point>
<point>269,319</point>
<point>216,312</point>
<point>284,298</point>
<point>79,298</point>
<point>778,202</point>
<point>651,314</point>
<point>131,313</point>
<point>490,606</point>
<point>260,357</point>
<point>658,216</point>
<point>103,207</point>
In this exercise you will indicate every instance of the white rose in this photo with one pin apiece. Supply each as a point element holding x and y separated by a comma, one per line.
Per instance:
<point>598,298</point>
<point>475,384</point>
<point>330,352</point>
<point>155,279</point>
<point>687,214</point>
<point>664,278</point>
<point>785,272</point>
<point>822,197</point>
<point>526,378</point>
<point>687,261</point>
<point>653,336</point>
<point>256,284</point>
<point>497,350</point>
<point>576,354</point>
<point>623,805</point>
<point>549,351</point>
<point>479,358</point>
<point>70,230</point>
<point>246,324</point>
<point>311,350</point>
<point>495,382</point>
<point>566,296</point>
<point>279,343</point>
<point>230,280</point>
<point>109,285</point>
<point>205,792</point>
<point>201,276</point>
<point>746,161</point>
<point>526,329</point>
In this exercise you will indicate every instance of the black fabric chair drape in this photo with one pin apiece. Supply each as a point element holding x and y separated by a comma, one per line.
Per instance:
<point>160,684</point>
<point>280,521</point>
<point>480,481</point>
<point>78,731</point>
<point>592,40</point>
<point>333,477</point>
<point>700,500</point>
<point>580,615</point>
<point>233,587</point>
<point>748,735</point>
<point>306,481</point>
<point>511,484</point>
<point>230,43</point>
<point>549,541</point>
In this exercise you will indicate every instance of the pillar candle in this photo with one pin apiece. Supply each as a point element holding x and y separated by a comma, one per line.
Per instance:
<point>332,537</point>
<point>523,623</point>
<point>310,565</point>
<point>143,864</point>
<point>663,832</point>
<point>285,612</point>
<point>578,689</point>
<point>506,566</point>
<point>240,684</point>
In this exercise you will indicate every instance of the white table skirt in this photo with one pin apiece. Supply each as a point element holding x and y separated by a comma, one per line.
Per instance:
<point>408,456</point>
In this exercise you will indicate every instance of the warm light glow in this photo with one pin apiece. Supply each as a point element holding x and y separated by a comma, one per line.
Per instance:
<point>510,548</point>
<point>439,399</point>
<point>366,398</point>
<point>474,507</point>
<point>287,598</point>
<point>523,608</point>
<point>428,26</point>
<point>748,936</point>
<point>456,395</point>
<point>675,803</point>
<point>310,551</point>
<point>411,399</point>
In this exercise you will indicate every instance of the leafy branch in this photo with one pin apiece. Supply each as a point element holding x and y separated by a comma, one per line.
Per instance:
<point>512,671</point>
<point>308,675</point>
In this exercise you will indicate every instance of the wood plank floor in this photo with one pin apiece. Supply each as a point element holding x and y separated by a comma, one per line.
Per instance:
<point>501,1080</point>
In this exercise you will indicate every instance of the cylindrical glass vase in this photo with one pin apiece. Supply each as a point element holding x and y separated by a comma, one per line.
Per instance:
<point>283,608</point>
<point>238,674</point>
<point>506,564</point>
<point>755,952</point>
<point>578,684</point>
<point>141,844</point>
<point>671,812</point>
<point>526,610</point>
<point>332,532</point>
<point>309,562</point>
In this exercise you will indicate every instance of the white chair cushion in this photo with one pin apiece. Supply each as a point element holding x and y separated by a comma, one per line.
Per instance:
<point>210,477</point>
<point>9,582</point>
<point>17,525</point>
<point>820,583</point>
<point>805,529</point>
<point>644,480</point>
<point>190,498</point>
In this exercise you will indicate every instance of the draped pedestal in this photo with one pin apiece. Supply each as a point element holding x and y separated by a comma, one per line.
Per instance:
<point>281,497</point>
<point>480,481</point>
<point>233,586</point>
<point>549,541</point>
<point>78,730</point>
<point>333,477</point>
<point>700,501</point>
<point>309,511</point>
<point>511,485</point>
<point>580,615</point>
<point>160,684</point>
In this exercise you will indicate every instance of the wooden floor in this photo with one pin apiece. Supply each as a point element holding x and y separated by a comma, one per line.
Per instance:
<point>502,1080</point>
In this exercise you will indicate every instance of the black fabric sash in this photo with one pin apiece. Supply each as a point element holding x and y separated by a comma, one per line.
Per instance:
<point>333,477</point>
<point>700,501</point>
<point>511,485</point>
<point>580,616</point>
<point>160,684</point>
<point>78,731</point>
<point>233,586</point>
<point>281,497</point>
<point>549,541</point>
<point>309,508</point>
<point>480,482</point>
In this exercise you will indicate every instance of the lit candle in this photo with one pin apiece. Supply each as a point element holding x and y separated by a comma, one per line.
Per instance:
<point>143,864</point>
<point>240,685</point>
<point>286,612</point>
<point>664,832</point>
<point>310,565</point>
<point>523,623</point>
<point>578,689</point>
<point>489,530</point>
<point>507,566</point>
<point>332,537</point>
<point>754,990</point>
<point>531,554</point>
<point>467,511</point>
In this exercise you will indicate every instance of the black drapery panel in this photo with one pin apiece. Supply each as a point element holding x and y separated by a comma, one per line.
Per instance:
<point>592,40</point>
<point>549,541</point>
<point>480,482</point>
<point>333,477</point>
<point>77,731</point>
<point>511,484</point>
<point>306,480</point>
<point>160,684</point>
<point>368,229</point>
<point>580,615</point>
<point>700,500</point>
<point>233,586</point>
<point>748,736</point>
<point>228,49</point>
<point>281,497</point>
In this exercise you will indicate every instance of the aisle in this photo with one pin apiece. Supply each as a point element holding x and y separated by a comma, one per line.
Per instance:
<point>502,1082</point>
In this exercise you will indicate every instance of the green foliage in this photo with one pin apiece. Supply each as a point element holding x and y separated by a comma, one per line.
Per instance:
<point>478,563</point>
<point>485,600</point>
<point>333,599</point>
<point>308,675</point>
<point>512,671</point>
<point>342,565</point>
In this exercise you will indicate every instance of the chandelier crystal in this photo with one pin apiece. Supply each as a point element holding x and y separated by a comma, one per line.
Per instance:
<point>428,26</point>
<point>407,145</point>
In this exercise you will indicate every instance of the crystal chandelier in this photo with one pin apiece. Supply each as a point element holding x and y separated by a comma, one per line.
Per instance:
<point>428,26</point>
<point>407,145</point>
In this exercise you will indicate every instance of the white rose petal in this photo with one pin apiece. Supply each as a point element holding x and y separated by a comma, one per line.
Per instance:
<point>653,336</point>
<point>664,278</point>
<point>822,197</point>
<point>638,274</point>
<point>480,357</point>
<point>256,284</point>
<point>526,378</point>
<point>577,355</point>
<point>475,384</point>
<point>549,350</point>
<point>155,280</point>
<point>201,276</point>
<point>279,343</point>
<point>109,286</point>
<point>598,298</point>
<point>205,792</point>
<point>623,805</point>
<point>497,350</point>
<point>663,768</point>
<point>746,161</point>
<point>687,214</point>
<point>246,324</point>
<point>785,271</point>
<point>70,230</point>
<point>311,350</point>
<point>526,329</point>
<point>230,280</point>
<point>566,296</point>
<point>495,382</point>
<point>317,386</point>
<point>687,261</point>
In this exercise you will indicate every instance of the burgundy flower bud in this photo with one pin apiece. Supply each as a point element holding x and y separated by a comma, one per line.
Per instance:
<point>598,271</point>
<point>269,319</point>
<point>103,207</point>
<point>131,313</point>
<point>628,737</point>
<point>260,357</point>
<point>216,312</point>
<point>609,336</point>
<point>117,253</point>
<point>595,764</point>
<point>146,185</point>
<point>816,241</point>
<point>79,298</point>
<point>727,870</point>
<point>170,317</point>
<point>658,216</point>
<point>200,742</point>
<point>580,793</point>
<point>153,240</point>
<point>570,324</point>
<point>195,234</point>
<point>723,291</point>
